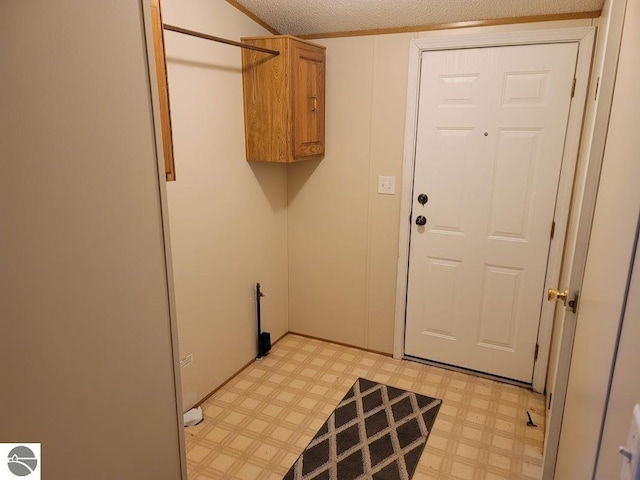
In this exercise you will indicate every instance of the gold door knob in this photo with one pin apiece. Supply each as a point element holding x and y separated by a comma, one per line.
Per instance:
<point>555,295</point>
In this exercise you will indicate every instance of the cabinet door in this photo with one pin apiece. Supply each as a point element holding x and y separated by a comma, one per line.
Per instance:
<point>308,101</point>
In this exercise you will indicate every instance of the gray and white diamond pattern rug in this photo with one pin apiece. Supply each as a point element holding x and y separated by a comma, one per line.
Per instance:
<point>376,432</point>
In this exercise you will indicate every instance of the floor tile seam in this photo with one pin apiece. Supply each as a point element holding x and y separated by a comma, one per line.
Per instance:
<point>217,473</point>
<point>465,461</point>
<point>280,429</point>
<point>268,365</point>
<point>304,428</point>
<point>469,421</point>
<point>250,459</point>
<point>518,458</point>
<point>289,370</point>
<point>478,475</point>
<point>236,466</point>
<point>511,472</point>
<point>469,439</point>
<point>280,457</point>
<point>297,396</point>
<point>254,387</point>
<point>534,435</point>
<point>308,347</point>
<point>445,466</point>
<point>486,396</point>
<point>456,429</point>
<point>479,444</point>
<point>484,453</point>
<point>298,371</point>
<point>281,446</point>
<point>236,426</point>
<point>204,428</point>
<point>450,448</point>
<point>521,428</point>
<point>211,411</point>
<point>444,413</point>
<point>395,381</point>
<point>254,436</point>
<point>270,418</point>
<point>208,458</point>
<point>468,408</point>
<point>247,410</point>
<point>536,462</point>
<point>264,475</point>
<point>511,404</point>
<point>502,431</point>
<point>198,439</point>
<point>271,461</point>
<point>489,433</point>
<point>193,465</point>
<point>254,375</point>
<point>217,439</point>
<point>216,446</point>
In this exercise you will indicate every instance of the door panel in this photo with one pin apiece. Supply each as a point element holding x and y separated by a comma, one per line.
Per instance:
<point>450,162</point>
<point>510,213</point>
<point>491,128</point>
<point>500,292</point>
<point>441,278</point>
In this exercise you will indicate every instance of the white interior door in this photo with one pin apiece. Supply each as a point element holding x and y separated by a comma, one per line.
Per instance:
<point>490,139</point>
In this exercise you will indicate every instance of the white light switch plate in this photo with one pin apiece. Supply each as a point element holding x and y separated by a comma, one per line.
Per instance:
<point>387,185</point>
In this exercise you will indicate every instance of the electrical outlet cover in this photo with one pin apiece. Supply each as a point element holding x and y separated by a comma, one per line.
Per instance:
<point>186,360</point>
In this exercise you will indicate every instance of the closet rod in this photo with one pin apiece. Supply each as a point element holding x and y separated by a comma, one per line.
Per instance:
<point>218,39</point>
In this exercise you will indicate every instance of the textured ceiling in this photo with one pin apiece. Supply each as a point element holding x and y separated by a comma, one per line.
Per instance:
<point>305,17</point>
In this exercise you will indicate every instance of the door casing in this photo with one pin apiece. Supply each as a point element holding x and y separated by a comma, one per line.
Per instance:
<point>584,36</point>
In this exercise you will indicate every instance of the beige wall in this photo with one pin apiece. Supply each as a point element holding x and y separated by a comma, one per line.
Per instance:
<point>343,235</point>
<point>228,217</point>
<point>606,273</point>
<point>625,388</point>
<point>85,331</point>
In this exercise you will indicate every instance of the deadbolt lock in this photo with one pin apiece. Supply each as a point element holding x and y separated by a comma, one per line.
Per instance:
<point>555,295</point>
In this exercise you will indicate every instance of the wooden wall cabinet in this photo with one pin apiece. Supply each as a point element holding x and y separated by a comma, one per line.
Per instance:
<point>284,99</point>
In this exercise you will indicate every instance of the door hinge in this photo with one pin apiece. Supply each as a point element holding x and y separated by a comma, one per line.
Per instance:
<point>550,397</point>
<point>535,353</point>
<point>573,88</point>
<point>595,97</point>
<point>553,229</point>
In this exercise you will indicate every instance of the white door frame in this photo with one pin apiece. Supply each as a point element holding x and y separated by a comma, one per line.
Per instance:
<point>595,131</point>
<point>584,36</point>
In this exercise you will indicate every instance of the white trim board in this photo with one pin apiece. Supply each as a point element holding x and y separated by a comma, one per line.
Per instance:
<point>154,100</point>
<point>584,36</point>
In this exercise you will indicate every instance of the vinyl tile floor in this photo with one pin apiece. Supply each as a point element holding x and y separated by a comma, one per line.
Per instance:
<point>256,426</point>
